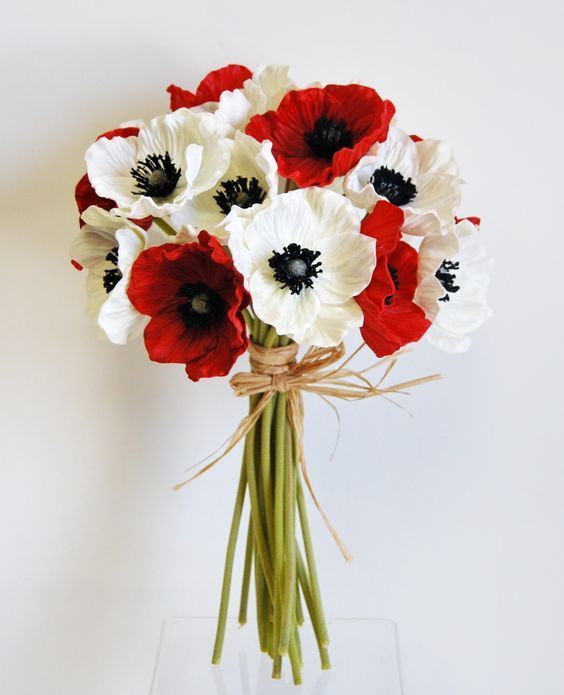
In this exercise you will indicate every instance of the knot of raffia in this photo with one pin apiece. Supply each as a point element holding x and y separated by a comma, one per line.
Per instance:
<point>270,370</point>
<point>277,369</point>
<point>320,371</point>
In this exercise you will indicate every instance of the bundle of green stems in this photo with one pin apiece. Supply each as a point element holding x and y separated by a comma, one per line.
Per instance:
<point>285,576</point>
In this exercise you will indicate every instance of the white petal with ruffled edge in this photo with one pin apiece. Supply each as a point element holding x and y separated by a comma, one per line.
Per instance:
<point>464,309</point>
<point>261,92</point>
<point>317,220</point>
<point>433,250</point>
<point>428,165</point>
<point>108,244</point>
<point>198,148</point>
<point>250,160</point>
<point>118,318</point>
<point>332,324</point>
<point>289,313</point>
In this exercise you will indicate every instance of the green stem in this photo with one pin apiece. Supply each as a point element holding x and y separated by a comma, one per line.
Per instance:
<point>299,607</point>
<point>258,529</point>
<point>304,583</point>
<point>167,229</point>
<point>295,660</point>
<point>277,667</point>
<point>314,580</point>
<point>262,606</point>
<point>228,571</point>
<point>298,644</point>
<point>271,338</point>
<point>246,576</point>
<point>289,586</point>
<point>279,484</point>
<point>266,466</point>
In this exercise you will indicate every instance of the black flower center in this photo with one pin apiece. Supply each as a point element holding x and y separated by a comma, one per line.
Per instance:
<point>395,279</point>
<point>202,307</point>
<point>327,137</point>
<point>156,176</point>
<point>446,277</point>
<point>240,191</point>
<point>295,267</point>
<point>390,184</point>
<point>112,275</point>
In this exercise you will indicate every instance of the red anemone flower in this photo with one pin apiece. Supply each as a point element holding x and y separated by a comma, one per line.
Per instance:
<point>319,134</point>
<point>210,88</point>
<point>84,193</point>
<point>195,298</point>
<point>391,318</point>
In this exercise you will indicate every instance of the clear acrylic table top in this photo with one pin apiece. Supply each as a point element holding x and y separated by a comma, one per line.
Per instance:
<point>364,655</point>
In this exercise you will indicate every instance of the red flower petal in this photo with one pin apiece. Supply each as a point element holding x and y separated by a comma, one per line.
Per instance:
<point>86,196</point>
<point>363,114</point>
<point>391,318</point>
<point>384,224</point>
<point>157,277</point>
<point>476,221</point>
<point>210,88</point>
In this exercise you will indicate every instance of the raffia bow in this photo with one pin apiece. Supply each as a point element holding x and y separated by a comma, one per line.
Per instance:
<point>276,369</point>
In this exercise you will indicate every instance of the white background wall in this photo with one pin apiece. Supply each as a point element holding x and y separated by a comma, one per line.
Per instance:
<point>455,516</point>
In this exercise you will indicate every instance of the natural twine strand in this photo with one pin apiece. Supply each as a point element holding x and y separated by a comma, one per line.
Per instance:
<point>277,369</point>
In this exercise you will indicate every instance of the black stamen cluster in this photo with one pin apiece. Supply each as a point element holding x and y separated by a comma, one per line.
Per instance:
<point>446,277</point>
<point>156,176</point>
<point>202,306</point>
<point>391,185</point>
<point>295,267</point>
<point>327,137</point>
<point>240,191</point>
<point>112,275</point>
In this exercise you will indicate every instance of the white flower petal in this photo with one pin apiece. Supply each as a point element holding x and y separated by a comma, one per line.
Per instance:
<point>348,262</point>
<point>91,246</point>
<point>234,108</point>
<point>96,294</point>
<point>462,307</point>
<point>130,244</point>
<point>398,153</point>
<point>103,248</point>
<point>332,324</point>
<point>312,219</point>
<point>420,223</point>
<point>249,159</point>
<point>196,143</point>
<point>446,341</point>
<point>288,313</point>
<point>441,194</point>
<point>118,318</point>
<point>436,157</point>
<point>193,158</point>
<point>109,164</point>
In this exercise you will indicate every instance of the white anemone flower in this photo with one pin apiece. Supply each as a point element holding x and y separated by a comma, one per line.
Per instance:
<point>172,159</point>
<point>107,247</point>
<point>261,92</point>
<point>304,260</point>
<point>250,180</point>
<point>420,177</point>
<point>464,278</point>
<point>433,250</point>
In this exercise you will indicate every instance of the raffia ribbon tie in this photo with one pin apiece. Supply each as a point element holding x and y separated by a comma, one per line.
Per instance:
<point>277,369</point>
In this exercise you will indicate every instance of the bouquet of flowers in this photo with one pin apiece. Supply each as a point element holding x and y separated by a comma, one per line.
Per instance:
<point>259,217</point>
